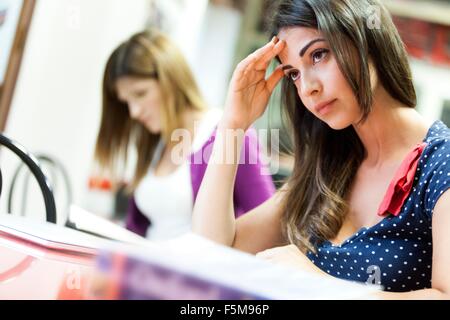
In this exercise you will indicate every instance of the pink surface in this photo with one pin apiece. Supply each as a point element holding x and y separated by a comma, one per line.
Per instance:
<point>32,272</point>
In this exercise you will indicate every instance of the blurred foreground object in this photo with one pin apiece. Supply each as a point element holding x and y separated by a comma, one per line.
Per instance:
<point>193,268</point>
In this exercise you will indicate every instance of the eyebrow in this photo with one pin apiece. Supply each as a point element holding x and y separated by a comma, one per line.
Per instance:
<point>303,51</point>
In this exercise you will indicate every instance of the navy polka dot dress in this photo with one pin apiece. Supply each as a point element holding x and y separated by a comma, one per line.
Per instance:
<point>396,253</point>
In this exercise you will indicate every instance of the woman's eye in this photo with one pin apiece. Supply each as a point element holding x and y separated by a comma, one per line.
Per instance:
<point>140,94</point>
<point>294,75</point>
<point>318,55</point>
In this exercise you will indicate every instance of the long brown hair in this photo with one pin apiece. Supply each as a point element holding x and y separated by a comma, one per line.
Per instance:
<point>326,160</point>
<point>148,54</point>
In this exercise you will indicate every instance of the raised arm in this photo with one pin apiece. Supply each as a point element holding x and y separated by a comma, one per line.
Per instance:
<point>247,99</point>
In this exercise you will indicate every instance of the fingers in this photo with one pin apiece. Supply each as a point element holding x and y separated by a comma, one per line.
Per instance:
<point>263,50</point>
<point>275,78</point>
<point>255,56</point>
<point>260,59</point>
<point>263,61</point>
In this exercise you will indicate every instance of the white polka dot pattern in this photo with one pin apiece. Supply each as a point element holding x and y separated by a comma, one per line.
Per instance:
<point>397,252</point>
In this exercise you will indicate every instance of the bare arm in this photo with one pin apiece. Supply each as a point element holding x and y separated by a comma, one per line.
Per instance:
<point>249,93</point>
<point>213,216</point>
<point>255,231</point>
<point>260,229</point>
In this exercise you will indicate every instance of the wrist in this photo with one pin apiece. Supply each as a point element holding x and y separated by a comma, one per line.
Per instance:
<point>233,124</point>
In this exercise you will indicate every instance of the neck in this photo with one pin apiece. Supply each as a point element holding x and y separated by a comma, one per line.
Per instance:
<point>190,117</point>
<point>390,131</point>
<point>188,121</point>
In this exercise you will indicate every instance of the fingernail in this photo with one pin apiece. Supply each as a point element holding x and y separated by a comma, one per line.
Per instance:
<point>275,39</point>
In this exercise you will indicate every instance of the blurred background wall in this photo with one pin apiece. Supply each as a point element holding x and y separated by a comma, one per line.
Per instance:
<point>56,104</point>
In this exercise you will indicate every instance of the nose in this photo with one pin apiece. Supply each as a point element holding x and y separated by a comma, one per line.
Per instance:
<point>310,85</point>
<point>135,110</point>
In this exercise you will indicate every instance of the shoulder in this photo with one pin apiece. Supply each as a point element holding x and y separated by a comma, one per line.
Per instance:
<point>435,159</point>
<point>205,129</point>
<point>206,135</point>
<point>437,150</point>
<point>438,141</point>
<point>434,165</point>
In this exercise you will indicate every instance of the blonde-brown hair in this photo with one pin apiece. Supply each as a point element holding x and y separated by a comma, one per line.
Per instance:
<point>149,54</point>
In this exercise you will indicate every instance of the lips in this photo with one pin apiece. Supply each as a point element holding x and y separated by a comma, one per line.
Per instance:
<point>323,107</point>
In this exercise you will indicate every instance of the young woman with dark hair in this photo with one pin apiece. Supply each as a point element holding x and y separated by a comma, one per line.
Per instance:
<point>368,199</point>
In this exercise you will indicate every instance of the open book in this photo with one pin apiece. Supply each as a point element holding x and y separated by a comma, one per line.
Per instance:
<point>87,222</point>
<point>87,233</point>
<point>48,236</point>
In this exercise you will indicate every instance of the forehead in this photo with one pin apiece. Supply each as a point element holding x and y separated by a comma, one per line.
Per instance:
<point>129,81</point>
<point>296,38</point>
<point>126,85</point>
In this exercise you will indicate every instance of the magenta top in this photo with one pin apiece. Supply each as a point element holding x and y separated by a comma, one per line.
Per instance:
<point>252,187</point>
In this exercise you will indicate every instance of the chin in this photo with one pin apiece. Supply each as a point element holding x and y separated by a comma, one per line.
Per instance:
<point>338,124</point>
<point>153,129</point>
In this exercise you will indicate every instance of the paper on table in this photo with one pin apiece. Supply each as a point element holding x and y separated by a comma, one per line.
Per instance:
<point>50,235</point>
<point>86,221</point>
<point>196,256</point>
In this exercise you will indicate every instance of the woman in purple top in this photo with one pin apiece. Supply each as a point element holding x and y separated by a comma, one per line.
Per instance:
<point>151,102</point>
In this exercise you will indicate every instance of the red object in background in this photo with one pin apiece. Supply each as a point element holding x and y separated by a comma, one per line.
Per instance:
<point>425,40</point>
<point>100,183</point>
<point>2,17</point>
<point>416,35</point>
<point>441,49</point>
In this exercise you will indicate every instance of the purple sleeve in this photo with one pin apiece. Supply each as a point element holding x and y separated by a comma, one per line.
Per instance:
<point>252,187</point>
<point>135,220</point>
<point>254,184</point>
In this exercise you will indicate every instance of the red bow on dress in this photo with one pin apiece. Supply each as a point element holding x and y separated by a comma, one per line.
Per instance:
<point>402,183</point>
